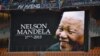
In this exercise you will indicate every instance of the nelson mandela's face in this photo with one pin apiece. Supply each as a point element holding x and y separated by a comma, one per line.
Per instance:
<point>70,32</point>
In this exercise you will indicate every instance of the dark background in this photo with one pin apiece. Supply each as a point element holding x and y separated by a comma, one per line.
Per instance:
<point>19,43</point>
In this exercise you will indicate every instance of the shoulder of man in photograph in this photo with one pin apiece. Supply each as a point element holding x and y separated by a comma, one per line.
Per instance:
<point>54,47</point>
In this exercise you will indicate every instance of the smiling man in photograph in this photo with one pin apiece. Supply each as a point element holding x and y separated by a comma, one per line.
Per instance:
<point>70,32</point>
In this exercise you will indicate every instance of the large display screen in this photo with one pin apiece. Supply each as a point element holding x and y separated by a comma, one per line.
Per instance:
<point>44,30</point>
